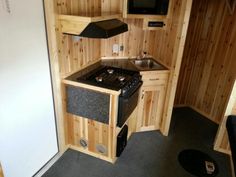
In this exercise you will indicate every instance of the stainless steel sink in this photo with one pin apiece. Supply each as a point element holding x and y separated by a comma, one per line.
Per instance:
<point>147,64</point>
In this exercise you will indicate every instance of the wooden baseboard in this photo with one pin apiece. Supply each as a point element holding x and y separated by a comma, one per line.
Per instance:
<point>223,151</point>
<point>180,106</point>
<point>149,128</point>
<point>204,114</point>
<point>197,110</point>
<point>92,154</point>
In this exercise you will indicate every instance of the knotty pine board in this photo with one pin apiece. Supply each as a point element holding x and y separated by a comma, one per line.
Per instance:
<point>208,69</point>
<point>221,140</point>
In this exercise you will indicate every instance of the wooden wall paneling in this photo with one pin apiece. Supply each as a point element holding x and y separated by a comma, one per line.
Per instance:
<point>52,28</point>
<point>111,6</point>
<point>198,37</point>
<point>182,21</point>
<point>77,52</point>
<point>207,73</point>
<point>231,4</point>
<point>228,75</point>
<point>132,41</point>
<point>186,69</point>
<point>221,141</point>
<point>79,7</point>
<point>168,36</point>
<point>185,66</point>
<point>209,50</point>
<point>218,70</point>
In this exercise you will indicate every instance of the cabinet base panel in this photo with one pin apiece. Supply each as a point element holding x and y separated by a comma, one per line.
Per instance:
<point>149,128</point>
<point>99,156</point>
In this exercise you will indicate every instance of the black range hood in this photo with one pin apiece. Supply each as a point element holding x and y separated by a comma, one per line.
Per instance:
<point>104,29</point>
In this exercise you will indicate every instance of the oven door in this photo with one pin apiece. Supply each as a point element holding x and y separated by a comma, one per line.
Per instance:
<point>127,104</point>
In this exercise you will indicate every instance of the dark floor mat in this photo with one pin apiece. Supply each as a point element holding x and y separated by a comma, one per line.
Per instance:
<point>198,163</point>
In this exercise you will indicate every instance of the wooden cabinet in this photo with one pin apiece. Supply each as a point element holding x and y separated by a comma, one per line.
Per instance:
<point>151,100</point>
<point>71,24</point>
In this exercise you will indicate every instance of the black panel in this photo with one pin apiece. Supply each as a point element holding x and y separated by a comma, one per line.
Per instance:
<point>231,129</point>
<point>104,29</point>
<point>155,24</point>
<point>127,105</point>
<point>148,7</point>
<point>87,103</point>
<point>121,140</point>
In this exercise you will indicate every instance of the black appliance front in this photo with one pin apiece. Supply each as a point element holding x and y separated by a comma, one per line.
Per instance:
<point>121,140</point>
<point>148,7</point>
<point>127,104</point>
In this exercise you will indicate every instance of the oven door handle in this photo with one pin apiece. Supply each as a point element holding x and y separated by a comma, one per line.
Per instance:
<point>134,91</point>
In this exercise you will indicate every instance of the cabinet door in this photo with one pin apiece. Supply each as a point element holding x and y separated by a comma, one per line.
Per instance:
<point>150,107</point>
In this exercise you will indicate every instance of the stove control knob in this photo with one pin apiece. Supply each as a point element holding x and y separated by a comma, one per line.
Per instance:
<point>123,91</point>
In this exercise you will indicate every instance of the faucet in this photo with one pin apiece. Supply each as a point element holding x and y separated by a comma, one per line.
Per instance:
<point>142,56</point>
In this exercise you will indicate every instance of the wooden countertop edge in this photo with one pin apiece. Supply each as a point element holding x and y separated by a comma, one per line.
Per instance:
<point>91,87</point>
<point>87,18</point>
<point>154,72</point>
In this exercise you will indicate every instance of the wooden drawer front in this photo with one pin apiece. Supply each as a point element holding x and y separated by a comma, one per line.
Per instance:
<point>158,79</point>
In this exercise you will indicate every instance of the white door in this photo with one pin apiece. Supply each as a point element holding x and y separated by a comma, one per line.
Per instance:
<point>28,137</point>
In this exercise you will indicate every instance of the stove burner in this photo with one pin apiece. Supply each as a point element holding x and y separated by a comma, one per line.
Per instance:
<point>121,78</point>
<point>112,78</point>
<point>110,71</point>
<point>99,79</point>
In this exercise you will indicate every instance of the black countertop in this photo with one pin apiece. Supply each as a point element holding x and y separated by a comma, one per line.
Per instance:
<point>119,63</point>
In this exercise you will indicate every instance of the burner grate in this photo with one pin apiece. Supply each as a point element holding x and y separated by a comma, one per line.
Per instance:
<point>110,77</point>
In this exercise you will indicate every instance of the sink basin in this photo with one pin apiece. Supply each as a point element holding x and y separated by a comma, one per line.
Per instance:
<point>147,64</point>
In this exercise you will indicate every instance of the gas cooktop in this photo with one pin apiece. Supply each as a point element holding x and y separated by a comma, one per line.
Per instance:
<point>112,78</point>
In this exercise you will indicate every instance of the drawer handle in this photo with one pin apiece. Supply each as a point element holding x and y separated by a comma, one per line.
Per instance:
<point>156,79</point>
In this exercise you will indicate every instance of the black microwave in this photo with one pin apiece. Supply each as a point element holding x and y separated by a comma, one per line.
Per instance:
<point>148,7</point>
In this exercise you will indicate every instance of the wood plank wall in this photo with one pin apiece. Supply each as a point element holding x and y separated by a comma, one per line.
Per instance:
<point>208,69</point>
<point>79,52</point>
<point>221,141</point>
<point>157,43</point>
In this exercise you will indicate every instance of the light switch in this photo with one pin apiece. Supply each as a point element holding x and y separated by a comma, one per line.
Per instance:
<point>115,48</point>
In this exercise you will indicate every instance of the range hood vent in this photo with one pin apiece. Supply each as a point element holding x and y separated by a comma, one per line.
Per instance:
<point>104,29</point>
